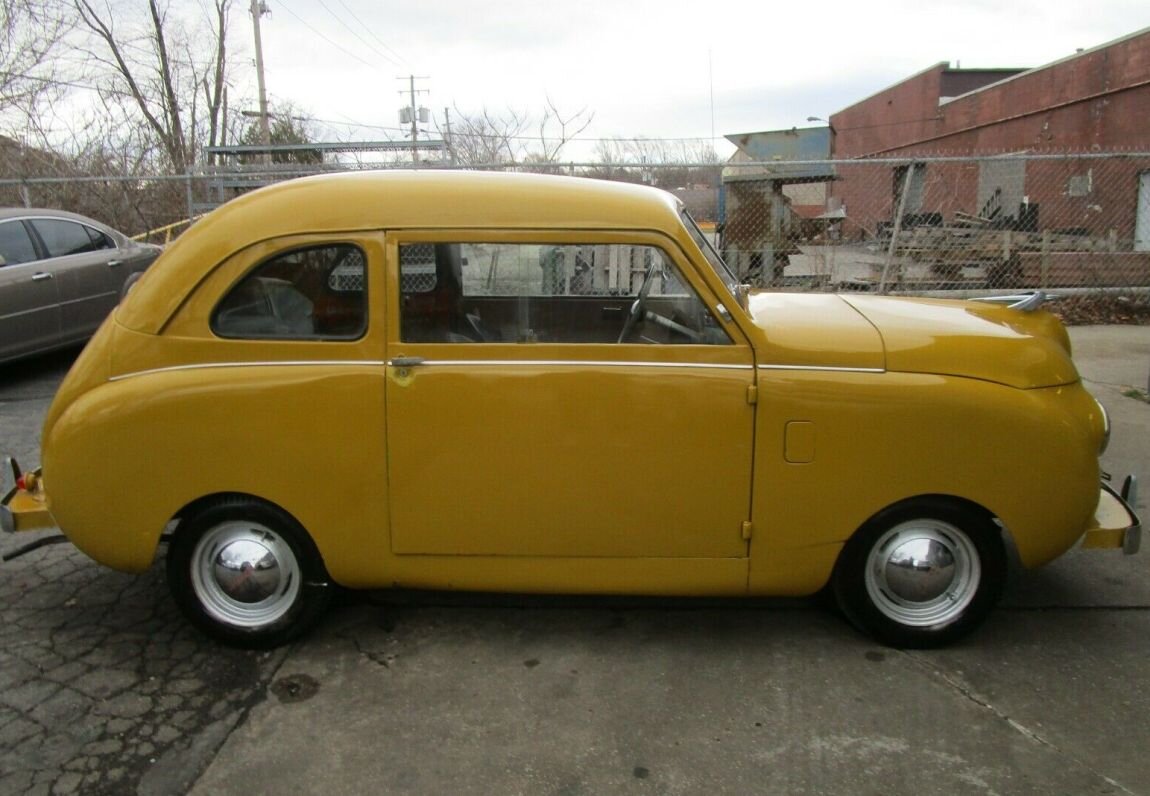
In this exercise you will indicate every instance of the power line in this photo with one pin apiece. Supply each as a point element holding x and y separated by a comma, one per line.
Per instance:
<point>349,122</point>
<point>109,90</point>
<point>700,139</point>
<point>371,32</point>
<point>339,47</point>
<point>354,123</point>
<point>355,33</point>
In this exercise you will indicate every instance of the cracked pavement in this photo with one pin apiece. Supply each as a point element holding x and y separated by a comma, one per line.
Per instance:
<point>105,690</point>
<point>103,687</point>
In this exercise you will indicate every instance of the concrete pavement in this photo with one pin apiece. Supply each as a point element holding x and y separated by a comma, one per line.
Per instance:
<point>443,694</point>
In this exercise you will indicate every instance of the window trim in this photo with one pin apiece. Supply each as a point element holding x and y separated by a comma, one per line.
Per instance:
<point>30,224</point>
<point>590,236</point>
<point>299,246</point>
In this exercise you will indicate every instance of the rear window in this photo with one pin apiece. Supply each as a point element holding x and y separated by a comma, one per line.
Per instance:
<point>62,238</point>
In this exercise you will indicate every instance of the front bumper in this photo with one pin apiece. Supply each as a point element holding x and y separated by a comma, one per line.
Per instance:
<point>1115,525</point>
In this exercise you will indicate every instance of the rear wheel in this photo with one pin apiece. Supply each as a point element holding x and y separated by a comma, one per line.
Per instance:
<point>246,573</point>
<point>922,573</point>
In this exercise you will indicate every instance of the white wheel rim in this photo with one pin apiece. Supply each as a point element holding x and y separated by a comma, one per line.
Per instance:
<point>923,573</point>
<point>245,575</point>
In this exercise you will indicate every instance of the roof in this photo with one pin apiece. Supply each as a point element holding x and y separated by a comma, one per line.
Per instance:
<point>1073,56</point>
<point>391,200</point>
<point>42,212</point>
<point>949,77</point>
<point>793,155</point>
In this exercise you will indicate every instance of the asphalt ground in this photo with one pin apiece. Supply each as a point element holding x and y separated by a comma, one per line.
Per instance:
<point>105,690</point>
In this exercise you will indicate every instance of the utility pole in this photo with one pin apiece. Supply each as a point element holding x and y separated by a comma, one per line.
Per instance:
<point>258,9</point>
<point>413,114</point>
<point>414,119</point>
<point>447,135</point>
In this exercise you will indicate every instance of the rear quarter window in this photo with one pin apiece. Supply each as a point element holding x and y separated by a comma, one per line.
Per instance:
<point>308,293</point>
<point>62,238</point>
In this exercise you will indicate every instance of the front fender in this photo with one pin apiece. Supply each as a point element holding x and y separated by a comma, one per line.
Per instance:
<point>1029,457</point>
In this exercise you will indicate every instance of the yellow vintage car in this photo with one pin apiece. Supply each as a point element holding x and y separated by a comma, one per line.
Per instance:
<point>544,384</point>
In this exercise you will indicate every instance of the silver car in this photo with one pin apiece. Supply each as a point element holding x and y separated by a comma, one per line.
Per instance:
<point>60,276</point>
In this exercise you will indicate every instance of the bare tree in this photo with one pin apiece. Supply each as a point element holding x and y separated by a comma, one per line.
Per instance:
<point>673,164</point>
<point>31,32</point>
<point>556,131</point>
<point>157,67</point>
<point>489,139</point>
<point>215,90</point>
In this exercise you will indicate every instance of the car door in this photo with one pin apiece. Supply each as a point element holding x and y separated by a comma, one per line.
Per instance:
<point>29,298</point>
<point>531,413</point>
<point>84,278</point>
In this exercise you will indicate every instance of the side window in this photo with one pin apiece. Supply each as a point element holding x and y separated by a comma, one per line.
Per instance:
<point>313,293</point>
<point>556,293</point>
<point>99,239</point>
<point>15,244</point>
<point>62,238</point>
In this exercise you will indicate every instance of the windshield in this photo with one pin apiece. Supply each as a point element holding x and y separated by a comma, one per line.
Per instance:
<point>720,267</point>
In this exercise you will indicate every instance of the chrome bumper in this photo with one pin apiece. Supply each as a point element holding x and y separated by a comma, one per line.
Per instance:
<point>1115,525</point>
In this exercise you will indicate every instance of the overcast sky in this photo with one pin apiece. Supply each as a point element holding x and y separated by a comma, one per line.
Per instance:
<point>649,68</point>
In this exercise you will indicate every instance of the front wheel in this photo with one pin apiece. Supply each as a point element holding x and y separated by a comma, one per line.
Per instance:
<point>922,573</point>
<point>246,573</point>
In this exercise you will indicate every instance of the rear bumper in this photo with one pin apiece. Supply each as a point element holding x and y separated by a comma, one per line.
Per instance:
<point>1115,525</point>
<point>26,509</point>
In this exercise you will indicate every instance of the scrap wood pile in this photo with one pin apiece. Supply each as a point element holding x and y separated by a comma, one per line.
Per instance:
<point>974,249</point>
<point>973,240</point>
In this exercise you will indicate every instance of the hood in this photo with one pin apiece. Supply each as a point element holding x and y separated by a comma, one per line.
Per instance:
<point>971,339</point>
<point>976,339</point>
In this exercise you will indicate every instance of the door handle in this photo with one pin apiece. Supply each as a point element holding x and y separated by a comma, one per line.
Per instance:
<point>114,263</point>
<point>40,277</point>
<point>406,362</point>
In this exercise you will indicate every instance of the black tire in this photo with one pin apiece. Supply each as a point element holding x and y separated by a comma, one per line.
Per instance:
<point>258,606</point>
<point>957,575</point>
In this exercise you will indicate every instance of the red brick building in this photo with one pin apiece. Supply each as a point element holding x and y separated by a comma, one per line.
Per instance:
<point>1094,104</point>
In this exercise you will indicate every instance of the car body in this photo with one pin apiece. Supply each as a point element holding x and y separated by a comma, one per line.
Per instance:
<point>60,275</point>
<point>545,384</point>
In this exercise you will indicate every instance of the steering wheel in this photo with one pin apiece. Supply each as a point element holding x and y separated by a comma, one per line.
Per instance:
<point>674,326</point>
<point>637,308</point>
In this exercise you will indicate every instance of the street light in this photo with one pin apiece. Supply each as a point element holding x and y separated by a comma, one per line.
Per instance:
<point>830,126</point>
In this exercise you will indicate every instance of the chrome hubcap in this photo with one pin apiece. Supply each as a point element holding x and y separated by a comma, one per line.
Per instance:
<point>245,575</point>
<point>923,573</point>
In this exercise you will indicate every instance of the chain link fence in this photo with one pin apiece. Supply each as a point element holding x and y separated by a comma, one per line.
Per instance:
<point>1077,225</point>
